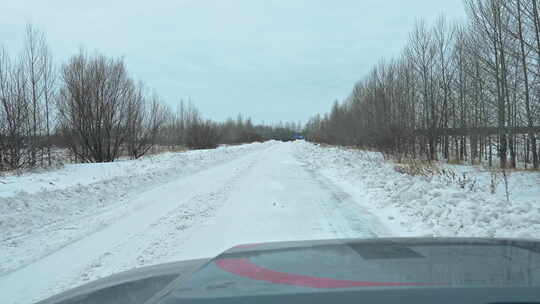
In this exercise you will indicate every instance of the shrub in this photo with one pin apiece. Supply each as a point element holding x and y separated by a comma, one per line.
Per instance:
<point>202,135</point>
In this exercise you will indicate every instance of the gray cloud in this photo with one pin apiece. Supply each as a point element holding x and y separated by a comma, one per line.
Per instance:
<point>270,59</point>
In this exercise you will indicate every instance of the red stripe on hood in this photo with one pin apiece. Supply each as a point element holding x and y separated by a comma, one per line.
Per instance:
<point>243,268</point>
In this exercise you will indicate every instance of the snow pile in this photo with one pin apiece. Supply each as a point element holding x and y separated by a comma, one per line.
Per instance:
<point>41,212</point>
<point>84,174</point>
<point>456,202</point>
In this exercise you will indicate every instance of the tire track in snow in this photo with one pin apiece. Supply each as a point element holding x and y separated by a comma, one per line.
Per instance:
<point>356,223</point>
<point>164,238</point>
<point>98,206</point>
<point>342,205</point>
<point>64,268</point>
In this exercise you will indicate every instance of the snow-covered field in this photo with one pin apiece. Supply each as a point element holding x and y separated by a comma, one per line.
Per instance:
<point>62,228</point>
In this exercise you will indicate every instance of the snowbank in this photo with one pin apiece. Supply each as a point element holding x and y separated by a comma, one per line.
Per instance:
<point>438,206</point>
<point>41,212</point>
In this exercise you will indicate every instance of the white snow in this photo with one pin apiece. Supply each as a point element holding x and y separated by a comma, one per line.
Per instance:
<point>60,229</point>
<point>41,212</point>
<point>439,206</point>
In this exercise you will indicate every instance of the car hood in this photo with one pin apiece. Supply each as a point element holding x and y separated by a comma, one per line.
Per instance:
<point>419,270</point>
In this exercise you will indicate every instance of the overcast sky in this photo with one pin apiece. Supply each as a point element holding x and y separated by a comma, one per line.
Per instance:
<point>273,60</point>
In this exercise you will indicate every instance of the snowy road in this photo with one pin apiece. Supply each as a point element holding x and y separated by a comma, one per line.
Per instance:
<point>268,194</point>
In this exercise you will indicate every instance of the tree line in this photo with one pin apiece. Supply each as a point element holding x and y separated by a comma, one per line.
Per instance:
<point>91,106</point>
<point>464,91</point>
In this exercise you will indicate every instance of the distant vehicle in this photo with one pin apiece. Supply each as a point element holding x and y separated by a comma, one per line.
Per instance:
<point>298,137</point>
<point>418,271</point>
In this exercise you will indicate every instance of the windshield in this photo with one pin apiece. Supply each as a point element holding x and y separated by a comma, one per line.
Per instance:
<point>134,134</point>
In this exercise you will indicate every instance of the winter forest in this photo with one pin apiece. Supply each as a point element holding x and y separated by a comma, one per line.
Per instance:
<point>464,92</point>
<point>92,107</point>
<point>460,92</point>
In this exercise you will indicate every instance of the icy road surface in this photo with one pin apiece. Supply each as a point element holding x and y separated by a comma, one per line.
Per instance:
<point>263,194</point>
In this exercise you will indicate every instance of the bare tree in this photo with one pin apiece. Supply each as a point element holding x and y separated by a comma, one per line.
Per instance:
<point>93,106</point>
<point>15,114</point>
<point>422,54</point>
<point>471,86</point>
<point>444,36</point>
<point>144,122</point>
<point>37,69</point>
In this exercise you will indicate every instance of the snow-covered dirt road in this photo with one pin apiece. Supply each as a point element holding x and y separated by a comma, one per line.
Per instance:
<point>60,229</point>
<point>263,194</point>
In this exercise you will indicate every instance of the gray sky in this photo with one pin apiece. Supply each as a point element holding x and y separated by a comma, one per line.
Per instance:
<point>269,59</point>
